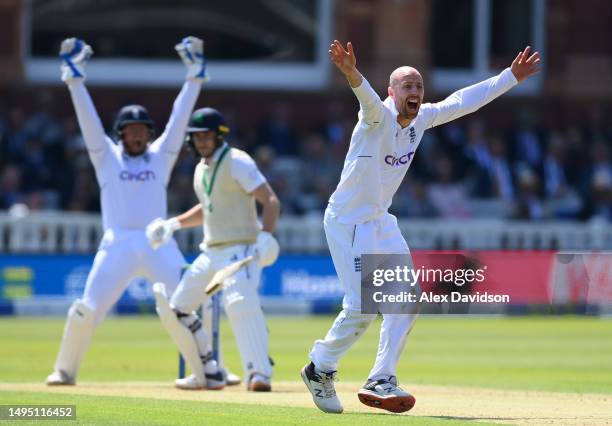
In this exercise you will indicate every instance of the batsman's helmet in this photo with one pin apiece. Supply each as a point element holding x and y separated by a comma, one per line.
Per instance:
<point>207,119</point>
<point>132,114</point>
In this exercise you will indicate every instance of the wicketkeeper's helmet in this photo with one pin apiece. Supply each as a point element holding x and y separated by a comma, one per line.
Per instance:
<point>132,114</point>
<point>207,119</point>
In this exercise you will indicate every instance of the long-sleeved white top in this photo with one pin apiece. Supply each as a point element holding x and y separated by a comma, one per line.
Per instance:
<point>133,189</point>
<point>381,151</point>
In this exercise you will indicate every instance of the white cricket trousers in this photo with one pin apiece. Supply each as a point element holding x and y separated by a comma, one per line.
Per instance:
<point>123,255</point>
<point>240,300</point>
<point>346,244</point>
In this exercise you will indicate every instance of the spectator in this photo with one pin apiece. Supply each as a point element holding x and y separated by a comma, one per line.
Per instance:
<point>447,197</point>
<point>411,201</point>
<point>15,133</point>
<point>479,160</point>
<point>320,174</point>
<point>565,203</point>
<point>277,131</point>
<point>10,187</point>
<point>526,140</point>
<point>528,205</point>
<point>500,172</point>
<point>577,170</point>
<point>599,205</point>
<point>268,164</point>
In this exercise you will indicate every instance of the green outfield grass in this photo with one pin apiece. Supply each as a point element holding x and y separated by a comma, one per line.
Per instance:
<point>571,354</point>
<point>559,354</point>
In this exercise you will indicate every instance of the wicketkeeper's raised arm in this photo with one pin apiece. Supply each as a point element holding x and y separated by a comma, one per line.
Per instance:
<point>74,54</point>
<point>369,102</point>
<point>191,51</point>
<point>470,99</point>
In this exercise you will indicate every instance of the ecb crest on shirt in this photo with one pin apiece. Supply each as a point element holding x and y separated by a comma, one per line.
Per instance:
<point>412,134</point>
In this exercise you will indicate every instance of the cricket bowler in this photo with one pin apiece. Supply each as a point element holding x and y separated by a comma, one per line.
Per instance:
<point>357,221</point>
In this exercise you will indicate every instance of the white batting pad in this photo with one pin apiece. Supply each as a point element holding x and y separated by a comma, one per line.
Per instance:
<point>180,334</point>
<point>77,336</point>
<point>249,326</point>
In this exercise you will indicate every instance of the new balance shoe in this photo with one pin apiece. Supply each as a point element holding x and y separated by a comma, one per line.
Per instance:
<point>386,394</point>
<point>321,386</point>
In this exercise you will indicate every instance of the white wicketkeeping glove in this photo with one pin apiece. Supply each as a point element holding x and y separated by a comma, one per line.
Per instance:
<point>267,248</point>
<point>159,231</point>
<point>74,54</point>
<point>191,51</point>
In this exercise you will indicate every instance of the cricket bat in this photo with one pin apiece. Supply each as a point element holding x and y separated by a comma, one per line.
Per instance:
<point>221,275</point>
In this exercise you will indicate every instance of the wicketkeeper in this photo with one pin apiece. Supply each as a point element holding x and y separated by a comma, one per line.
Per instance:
<point>133,170</point>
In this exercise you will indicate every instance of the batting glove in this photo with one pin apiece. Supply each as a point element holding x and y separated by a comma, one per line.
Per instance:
<point>74,54</point>
<point>191,51</point>
<point>267,248</point>
<point>159,231</point>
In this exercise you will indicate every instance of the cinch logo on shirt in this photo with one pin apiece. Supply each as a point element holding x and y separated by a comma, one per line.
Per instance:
<point>143,176</point>
<point>392,160</point>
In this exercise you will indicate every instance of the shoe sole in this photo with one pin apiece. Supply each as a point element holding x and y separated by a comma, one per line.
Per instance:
<point>305,379</point>
<point>188,389</point>
<point>215,388</point>
<point>394,404</point>
<point>260,387</point>
<point>59,384</point>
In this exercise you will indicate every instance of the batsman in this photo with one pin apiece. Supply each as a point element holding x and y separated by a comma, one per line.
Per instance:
<point>227,183</point>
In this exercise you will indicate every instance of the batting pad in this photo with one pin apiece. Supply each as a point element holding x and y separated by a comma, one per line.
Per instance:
<point>77,336</point>
<point>180,334</point>
<point>249,326</point>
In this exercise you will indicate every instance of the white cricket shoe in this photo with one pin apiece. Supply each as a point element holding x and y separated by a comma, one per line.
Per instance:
<point>213,382</point>
<point>231,379</point>
<point>386,394</point>
<point>189,383</point>
<point>321,386</point>
<point>60,378</point>
<point>259,383</point>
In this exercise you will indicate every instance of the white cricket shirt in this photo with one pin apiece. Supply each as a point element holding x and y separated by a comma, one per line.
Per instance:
<point>133,189</point>
<point>381,152</point>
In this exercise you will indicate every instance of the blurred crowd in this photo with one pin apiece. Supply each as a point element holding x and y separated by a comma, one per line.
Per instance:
<point>468,168</point>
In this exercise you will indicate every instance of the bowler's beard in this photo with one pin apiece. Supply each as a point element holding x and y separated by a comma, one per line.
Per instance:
<point>404,114</point>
